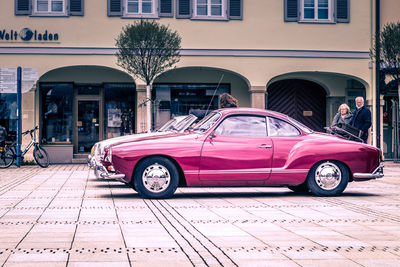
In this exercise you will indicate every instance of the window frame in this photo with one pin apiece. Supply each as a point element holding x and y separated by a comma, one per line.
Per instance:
<point>224,11</point>
<point>48,13</point>
<point>280,136</point>
<point>140,14</point>
<point>331,9</point>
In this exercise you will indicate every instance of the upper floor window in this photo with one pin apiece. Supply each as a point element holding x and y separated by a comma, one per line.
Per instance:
<point>50,8</point>
<point>210,9</point>
<point>317,10</point>
<point>46,7</point>
<point>140,8</point>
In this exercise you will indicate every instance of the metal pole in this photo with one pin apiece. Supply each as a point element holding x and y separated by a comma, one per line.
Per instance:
<point>377,73</point>
<point>19,115</point>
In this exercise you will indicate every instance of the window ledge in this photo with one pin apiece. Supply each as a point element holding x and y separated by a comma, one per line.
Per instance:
<point>49,15</point>
<point>209,18</point>
<point>316,22</point>
<point>140,16</point>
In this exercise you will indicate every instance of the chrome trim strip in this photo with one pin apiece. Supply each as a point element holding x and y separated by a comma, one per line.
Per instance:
<point>15,50</point>
<point>262,170</point>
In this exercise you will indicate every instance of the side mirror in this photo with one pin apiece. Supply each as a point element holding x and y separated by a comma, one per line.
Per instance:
<point>212,135</point>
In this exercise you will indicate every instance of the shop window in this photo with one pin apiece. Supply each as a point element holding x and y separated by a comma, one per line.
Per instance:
<point>119,110</point>
<point>171,100</point>
<point>8,113</point>
<point>57,102</point>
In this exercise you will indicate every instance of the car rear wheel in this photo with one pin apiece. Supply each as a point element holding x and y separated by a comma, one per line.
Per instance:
<point>156,177</point>
<point>328,178</point>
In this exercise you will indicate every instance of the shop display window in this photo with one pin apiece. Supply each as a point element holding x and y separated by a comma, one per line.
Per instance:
<point>119,109</point>
<point>57,103</point>
<point>171,100</point>
<point>8,114</point>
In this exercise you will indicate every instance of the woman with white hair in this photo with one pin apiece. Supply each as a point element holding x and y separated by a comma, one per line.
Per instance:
<point>344,115</point>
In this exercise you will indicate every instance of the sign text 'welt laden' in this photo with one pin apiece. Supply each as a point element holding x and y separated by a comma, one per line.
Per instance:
<point>26,35</point>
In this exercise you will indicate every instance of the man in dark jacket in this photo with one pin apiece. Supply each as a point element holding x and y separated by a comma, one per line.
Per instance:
<point>362,118</point>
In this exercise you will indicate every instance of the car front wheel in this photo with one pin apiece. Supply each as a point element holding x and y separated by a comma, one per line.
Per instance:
<point>156,177</point>
<point>328,178</point>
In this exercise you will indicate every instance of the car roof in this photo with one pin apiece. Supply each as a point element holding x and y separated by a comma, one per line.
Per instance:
<point>228,111</point>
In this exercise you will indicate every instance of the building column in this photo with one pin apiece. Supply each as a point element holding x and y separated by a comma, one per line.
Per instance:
<point>257,96</point>
<point>141,117</point>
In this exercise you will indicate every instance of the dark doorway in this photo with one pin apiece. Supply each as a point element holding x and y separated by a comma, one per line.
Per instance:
<point>302,100</point>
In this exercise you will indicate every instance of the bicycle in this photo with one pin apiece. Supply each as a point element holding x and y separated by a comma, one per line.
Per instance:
<point>7,152</point>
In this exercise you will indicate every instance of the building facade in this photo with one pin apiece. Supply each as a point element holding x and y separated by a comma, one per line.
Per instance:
<point>299,57</point>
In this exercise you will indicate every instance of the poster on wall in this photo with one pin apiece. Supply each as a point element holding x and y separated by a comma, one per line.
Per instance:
<point>114,117</point>
<point>8,80</point>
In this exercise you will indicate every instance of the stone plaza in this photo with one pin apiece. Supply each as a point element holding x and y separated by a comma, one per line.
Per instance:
<point>64,216</point>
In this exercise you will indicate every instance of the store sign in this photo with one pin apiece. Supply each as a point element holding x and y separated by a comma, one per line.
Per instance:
<point>27,35</point>
<point>8,80</point>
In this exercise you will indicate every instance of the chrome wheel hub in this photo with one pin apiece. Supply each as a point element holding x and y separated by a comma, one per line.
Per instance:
<point>328,176</point>
<point>156,178</point>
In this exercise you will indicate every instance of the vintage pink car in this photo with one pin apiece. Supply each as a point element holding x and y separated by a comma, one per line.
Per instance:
<point>244,147</point>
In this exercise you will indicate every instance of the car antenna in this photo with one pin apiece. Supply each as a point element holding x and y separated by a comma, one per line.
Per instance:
<point>215,91</point>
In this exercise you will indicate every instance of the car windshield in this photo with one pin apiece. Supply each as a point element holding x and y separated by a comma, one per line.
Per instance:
<point>300,125</point>
<point>207,122</point>
<point>185,123</point>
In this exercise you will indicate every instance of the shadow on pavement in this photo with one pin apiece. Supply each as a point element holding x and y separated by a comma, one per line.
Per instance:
<point>204,195</point>
<point>113,186</point>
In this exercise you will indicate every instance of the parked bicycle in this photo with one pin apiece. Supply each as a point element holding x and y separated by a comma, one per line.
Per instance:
<point>8,154</point>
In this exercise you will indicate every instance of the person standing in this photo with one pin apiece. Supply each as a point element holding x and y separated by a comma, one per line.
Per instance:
<point>343,116</point>
<point>228,101</point>
<point>362,118</point>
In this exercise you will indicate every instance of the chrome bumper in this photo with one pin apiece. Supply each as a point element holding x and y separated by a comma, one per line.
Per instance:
<point>101,173</point>
<point>377,173</point>
<point>90,162</point>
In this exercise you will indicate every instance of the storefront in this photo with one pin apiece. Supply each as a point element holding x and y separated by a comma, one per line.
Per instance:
<point>77,115</point>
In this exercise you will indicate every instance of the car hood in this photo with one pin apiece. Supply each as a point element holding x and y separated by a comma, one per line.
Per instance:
<point>145,137</point>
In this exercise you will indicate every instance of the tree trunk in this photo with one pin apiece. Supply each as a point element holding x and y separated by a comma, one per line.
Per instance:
<point>148,108</point>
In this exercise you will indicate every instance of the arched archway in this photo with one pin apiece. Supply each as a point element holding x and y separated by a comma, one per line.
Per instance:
<point>81,105</point>
<point>195,90</point>
<point>301,99</point>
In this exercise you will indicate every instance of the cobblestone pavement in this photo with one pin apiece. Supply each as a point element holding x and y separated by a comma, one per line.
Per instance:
<point>63,216</point>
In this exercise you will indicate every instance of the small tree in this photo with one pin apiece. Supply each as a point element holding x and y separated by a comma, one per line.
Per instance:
<point>146,49</point>
<point>386,53</point>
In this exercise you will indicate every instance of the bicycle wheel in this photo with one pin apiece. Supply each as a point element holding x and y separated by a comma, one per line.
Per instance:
<point>6,157</point>
<point>41,157</point>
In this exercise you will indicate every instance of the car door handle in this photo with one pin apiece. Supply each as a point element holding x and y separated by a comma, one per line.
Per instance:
<point>265,146</point>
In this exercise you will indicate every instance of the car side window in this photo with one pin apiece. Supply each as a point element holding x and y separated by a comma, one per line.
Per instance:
<point>277,127</point>
<point>247,126</point>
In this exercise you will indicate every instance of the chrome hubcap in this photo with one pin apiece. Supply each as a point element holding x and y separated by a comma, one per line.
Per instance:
<point>156,178</point>
<point>328,176</point>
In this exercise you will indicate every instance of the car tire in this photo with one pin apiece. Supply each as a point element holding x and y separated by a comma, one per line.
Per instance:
<point>301,188</point>
<point>328,178</point>
<point>156,177</point>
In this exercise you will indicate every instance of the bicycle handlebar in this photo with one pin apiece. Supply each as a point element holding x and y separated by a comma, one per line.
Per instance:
<point>30,131</point>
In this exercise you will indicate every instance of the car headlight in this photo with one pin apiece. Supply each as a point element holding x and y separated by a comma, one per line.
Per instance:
<point>93,150</point>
